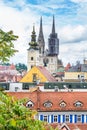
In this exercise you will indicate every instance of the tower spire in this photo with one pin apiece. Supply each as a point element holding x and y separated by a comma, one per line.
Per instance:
<point>33,36</point>
<point>53,26</point>
<point>53,41</point>
<point>41,38</point>
<point>33,44</point>
<point>41,30</point>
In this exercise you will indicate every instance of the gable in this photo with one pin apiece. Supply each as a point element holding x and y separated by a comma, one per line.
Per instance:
<point>47,104</point>
<point>37,74</point>
<point>29,104</point>
<point>34,72</point>
<point>78,104</point>
<point>64,126</point>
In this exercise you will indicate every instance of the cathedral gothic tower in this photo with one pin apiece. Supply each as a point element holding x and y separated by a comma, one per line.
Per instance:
<point>38,56</point>
<point>41,39</point>
<point>33,51</point>
<point>53,41</point>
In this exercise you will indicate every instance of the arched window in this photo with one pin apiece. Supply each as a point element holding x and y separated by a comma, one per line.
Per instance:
<point>62,104</point>
<point>32,58</point>
<point>78,104</point>
<point>30,104</point>
<point>47,104</point>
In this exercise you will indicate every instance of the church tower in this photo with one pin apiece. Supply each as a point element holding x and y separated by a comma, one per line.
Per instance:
<point>33,51</point>
<point>41,39</point>
<point>53,41</point>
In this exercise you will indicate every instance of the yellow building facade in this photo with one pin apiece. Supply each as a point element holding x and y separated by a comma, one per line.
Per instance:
<point>37,74</point>
<point>75,76</point>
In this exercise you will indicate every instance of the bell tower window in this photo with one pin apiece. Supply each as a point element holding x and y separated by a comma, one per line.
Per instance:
<point>32,58</point>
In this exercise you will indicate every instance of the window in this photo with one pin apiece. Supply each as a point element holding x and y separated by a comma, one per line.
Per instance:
<point>25,86</point>
<point>34,77</point>
<point>45,118</point>
<point>62,104</point>
<point>67,118</point>
<point>29,104</point>
<point>78,76</point>
<point>78,104</point>
<point>47,104</point>
<point>51,60</point>
<point>32,58</point>
<point>78,118</point>
<point>56,88</point>
<point>55,118</point>
<point>31,66</point>
<point>16,89</point>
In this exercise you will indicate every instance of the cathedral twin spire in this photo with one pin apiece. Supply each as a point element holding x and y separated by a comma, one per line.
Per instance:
<point>53,26</point>
<point>53,41</point>
<point>41,39</point>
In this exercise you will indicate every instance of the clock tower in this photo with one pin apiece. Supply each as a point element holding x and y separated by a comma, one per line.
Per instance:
<point>33,51</point>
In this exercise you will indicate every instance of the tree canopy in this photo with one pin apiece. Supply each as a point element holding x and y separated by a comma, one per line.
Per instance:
<point>6,45</point>
<point>15,116</point>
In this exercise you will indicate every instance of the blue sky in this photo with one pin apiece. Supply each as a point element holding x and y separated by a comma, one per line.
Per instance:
<point>70,21</point>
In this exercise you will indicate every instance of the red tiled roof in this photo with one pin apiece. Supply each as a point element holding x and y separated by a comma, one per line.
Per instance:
<point>39,98</point>
<point>46,73</point>
<point>70,126</point>
<point>77,126</point>
<point>12,67</point>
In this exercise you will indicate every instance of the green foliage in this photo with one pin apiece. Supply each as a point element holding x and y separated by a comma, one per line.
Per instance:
<point>6,45</point>
<point>20,67</point>
<point>15,116</point>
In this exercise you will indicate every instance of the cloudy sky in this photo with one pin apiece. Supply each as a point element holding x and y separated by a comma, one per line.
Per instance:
<point>70,21</point>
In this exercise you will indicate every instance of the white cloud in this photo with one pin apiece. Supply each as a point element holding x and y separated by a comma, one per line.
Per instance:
<point>72,34</point>
<point>72,29</point>
<point>79,1</point>
<point>73,52</point>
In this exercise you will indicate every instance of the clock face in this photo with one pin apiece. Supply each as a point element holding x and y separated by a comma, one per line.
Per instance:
<point>46,60</point>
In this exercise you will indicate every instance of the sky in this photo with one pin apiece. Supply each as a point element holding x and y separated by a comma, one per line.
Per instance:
<point>70,25</point>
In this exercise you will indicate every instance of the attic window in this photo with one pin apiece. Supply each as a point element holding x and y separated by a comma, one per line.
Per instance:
<point>62,104</point>
<point>29,104</point>
<point>78,104</point>
<point>34,77</point>
<point>47,104</point>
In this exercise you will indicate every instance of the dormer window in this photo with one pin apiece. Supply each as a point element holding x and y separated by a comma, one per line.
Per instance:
<point>29,104</point>
<point>78,104</point>
<point>62,104</point>
<point>47,104</point>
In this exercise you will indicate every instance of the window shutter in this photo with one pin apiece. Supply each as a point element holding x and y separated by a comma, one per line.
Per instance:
<point>59,119</point>
<point>63,118</point>
<point>48,118</point>
<point>86,118</point>
<point>70,118</point>
<point>82,118</point>
<point>41,117</point>
<point>75,120</point>
<point>51,118</point>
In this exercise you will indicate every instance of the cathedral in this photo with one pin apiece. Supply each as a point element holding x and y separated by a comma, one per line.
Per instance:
<point>38,55</point>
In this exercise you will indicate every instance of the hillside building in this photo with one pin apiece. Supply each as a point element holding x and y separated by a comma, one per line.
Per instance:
<point>76,73</point>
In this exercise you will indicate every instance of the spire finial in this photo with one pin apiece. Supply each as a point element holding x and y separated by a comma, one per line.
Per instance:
<point>33,29</point>
<point>41,31</point>
<point>53,26</point>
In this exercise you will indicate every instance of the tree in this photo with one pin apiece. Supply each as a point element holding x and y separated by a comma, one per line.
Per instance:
<point>6,45</point>
<point>15,116</point>
<point>21,67</point>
